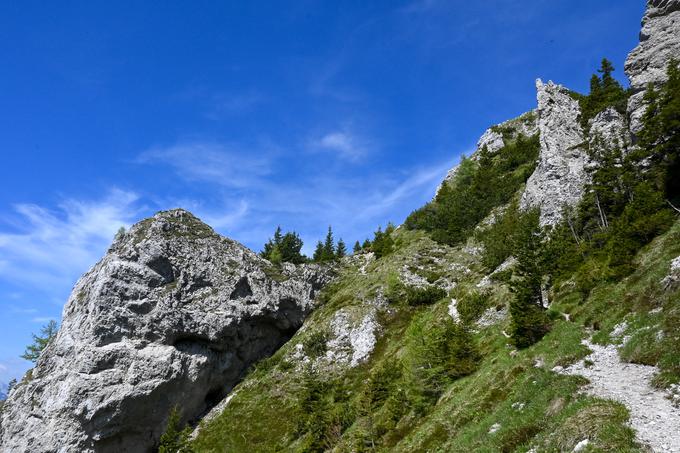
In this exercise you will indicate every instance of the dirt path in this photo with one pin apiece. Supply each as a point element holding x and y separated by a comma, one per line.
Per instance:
<point>653,417</point>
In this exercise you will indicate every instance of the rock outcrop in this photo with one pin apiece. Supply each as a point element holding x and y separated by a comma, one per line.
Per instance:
<point>561,175</point>
<point>647,63</point>
<point>172,316</point>
<point>496,137</point>
<point>608,129</point>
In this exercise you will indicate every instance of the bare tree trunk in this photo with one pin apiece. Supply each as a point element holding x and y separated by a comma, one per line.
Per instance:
<point>603,218</point>
<point>671,205</point>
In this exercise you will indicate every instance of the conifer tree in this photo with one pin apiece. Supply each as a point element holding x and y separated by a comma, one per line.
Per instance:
<point>328,253</point>
<point>284,248</point>
<point>605,91</point>
<point>357,247</point>
<point>40,341</point>
<point>318,252</point>
<point>529,322</point>
<point>175,439</point>
<point>341,249</point>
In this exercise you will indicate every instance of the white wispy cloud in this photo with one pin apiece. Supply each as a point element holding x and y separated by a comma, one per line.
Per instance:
<point>343,144</point>
<point>308,199</point>
<point>43,319</point>
<point>211,162</point>
<point>422,181</point>
<point>49,248</point>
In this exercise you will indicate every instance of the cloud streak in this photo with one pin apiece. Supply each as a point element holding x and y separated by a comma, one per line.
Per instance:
<point>48,249</point>
<point>343,144</point>
<point>211,162</point>
<point>311,197</point>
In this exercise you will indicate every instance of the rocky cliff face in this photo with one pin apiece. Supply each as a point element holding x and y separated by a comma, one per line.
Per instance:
<point>561,174</point>
<point>172,316</point>
<point>647,63</point>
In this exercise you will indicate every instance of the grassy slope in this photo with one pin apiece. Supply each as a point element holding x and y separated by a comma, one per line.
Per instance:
<point>534,406</point>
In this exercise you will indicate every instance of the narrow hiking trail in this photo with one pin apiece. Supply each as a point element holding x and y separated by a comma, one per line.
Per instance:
<point>652,415</point>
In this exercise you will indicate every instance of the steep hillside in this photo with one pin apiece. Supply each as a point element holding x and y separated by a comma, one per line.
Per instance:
<point>498,398</point>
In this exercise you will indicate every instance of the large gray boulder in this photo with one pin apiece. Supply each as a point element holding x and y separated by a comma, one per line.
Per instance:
<point>562,171</point>
<point>173,315</point>
<point>647,63</point>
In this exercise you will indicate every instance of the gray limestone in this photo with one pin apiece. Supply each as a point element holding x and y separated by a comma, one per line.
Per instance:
<point>172,316</point>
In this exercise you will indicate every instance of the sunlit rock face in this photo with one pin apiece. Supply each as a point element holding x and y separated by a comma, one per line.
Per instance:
<point>647,63</point>
<point>172,316</point>
<point>561,174</point>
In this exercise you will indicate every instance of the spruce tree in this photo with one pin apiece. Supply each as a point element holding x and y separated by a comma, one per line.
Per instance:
<point>529,323</point>
<point>605,91</point>
<point>290,248</point>
<point>660,137</point>
<point>318,252</point>
<point>341,249</point>
<point>357,247</point>
<point>284,248</point>
<point>328,253</point>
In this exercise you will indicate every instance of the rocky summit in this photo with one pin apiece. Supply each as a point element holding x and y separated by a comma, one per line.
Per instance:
<point>173,315</point>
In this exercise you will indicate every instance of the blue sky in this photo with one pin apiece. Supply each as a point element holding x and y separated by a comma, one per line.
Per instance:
<point>254,114</point>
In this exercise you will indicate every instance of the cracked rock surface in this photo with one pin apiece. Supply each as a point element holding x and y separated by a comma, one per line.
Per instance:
<point>172,316</point>
<point>561,175</point>
<point>647,63</point>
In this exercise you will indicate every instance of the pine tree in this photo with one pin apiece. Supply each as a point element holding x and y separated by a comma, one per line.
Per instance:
<point>357,247</point>
<point>341,249</point>
<point>605,91</point>
<point>40,342</point>
<point>382,241</point>
<point>328,247</point>
<point>318,252</point>
<point>284,248</point>
<point>290,248</point>
<point>175,439</point>
<point>529,323</point>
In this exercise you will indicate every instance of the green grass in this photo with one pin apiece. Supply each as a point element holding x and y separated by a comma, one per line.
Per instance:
<point>372,408</point>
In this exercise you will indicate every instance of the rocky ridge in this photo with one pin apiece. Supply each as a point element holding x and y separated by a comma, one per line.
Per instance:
<point>647,63</point>
<point>173,315</point>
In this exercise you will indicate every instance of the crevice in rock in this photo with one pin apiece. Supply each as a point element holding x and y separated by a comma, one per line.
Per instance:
<point>163,267</point>
<point>195,344</point>
<point>242,289</point>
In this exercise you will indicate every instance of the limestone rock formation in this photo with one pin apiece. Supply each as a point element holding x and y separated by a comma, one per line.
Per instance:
<point>561,174</point>
<point>172,316</point>
<point>647,63</point>
<point>495,137</point>
<point>608,129</point>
